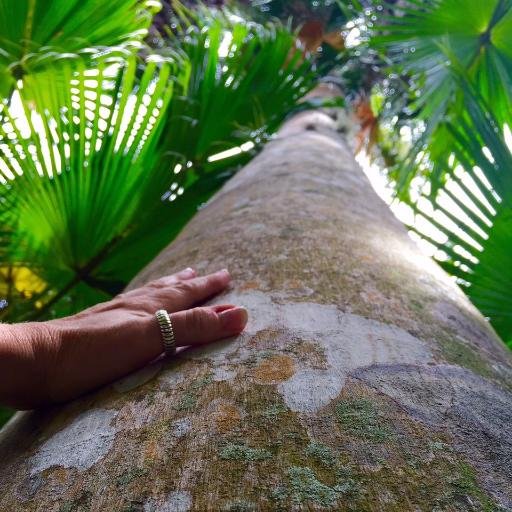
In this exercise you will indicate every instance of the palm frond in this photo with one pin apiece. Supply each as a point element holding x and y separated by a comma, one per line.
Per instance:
<point>472,213</point>
<point>421,40</point>
<point>245,79</point>
<point>32,27</point>
<point>78,180</point>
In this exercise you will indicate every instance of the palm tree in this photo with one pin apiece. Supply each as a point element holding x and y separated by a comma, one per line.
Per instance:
<point>365,381</point>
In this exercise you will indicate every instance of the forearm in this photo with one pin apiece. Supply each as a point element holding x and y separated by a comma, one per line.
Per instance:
<point>25,352</point>
<point>44,363</point>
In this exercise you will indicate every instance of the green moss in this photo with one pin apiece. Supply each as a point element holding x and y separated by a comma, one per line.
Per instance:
<point>189,399</point>
<point>321,453</point>
<point>346,482</point>
<point>202,382</point>
<point>272,412</point>
<point>81,503</point>
<point>456,352</point>
<point>242,452</point>
<point>187,402</point>
<point>360,418</point>
<point>280,493</point>
<point>239,506</point>
<point>439,484</point>
<point>305,487</point>
<point>462,485</point>
<point>130,475</point>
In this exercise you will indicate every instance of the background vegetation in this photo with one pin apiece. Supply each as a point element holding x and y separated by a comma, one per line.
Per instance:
<point>119,120</point>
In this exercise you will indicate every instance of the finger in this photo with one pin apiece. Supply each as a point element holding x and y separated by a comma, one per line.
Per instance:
<point>187,273</point>
<point>182,275</point>
<point>222,307</point>
<point>157,284</point>
<point>186,294</point>
<point>204,325</point>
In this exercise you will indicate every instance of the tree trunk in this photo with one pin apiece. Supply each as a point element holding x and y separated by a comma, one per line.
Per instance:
<point>365,380</point>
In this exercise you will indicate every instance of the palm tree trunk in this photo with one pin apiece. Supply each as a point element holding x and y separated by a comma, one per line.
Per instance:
<point>365,379</point>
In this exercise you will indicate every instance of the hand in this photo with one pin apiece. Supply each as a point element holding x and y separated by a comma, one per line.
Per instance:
<point>105,342</point>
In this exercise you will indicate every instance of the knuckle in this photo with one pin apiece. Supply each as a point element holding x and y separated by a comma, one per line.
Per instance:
<point>165,281</point>
<point>135,304</point>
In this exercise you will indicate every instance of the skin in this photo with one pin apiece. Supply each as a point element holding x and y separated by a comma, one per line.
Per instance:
<point>43,363</point>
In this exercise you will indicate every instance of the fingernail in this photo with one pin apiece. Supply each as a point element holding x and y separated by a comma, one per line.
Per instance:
<point>234,320</point>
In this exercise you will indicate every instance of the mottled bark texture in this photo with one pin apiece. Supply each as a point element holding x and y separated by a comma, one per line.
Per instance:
<point>365,380</point>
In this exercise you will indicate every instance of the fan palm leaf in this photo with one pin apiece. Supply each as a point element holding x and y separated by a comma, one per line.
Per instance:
<point>472,213</point>
<point>78,180</point>
<point>28,27</point>
<point>245,79</point>
<point>421,39</point>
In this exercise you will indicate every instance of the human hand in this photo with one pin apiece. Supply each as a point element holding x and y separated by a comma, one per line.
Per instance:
<point>109,340</point>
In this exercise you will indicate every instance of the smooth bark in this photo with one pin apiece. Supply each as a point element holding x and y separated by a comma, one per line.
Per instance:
<point>365,379</point>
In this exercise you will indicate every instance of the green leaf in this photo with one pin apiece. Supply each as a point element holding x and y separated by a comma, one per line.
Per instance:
<point>477,223</point>
<point>32,27</point>
<point>80,179</point>
<point>423,41</point>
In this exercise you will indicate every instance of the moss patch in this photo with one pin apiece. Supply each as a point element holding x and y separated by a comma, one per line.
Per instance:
<point>130,475</point>
<point>273,411</point>
<point>323,487</point>
<point>456,352</point>
<point>304,487</point>
<point>463,488</point>
<point>241,452</point>
<point>321,453</point>
<point>82,502</point>
<point>188,401</point>
<point>360,417</point>
<point>239,506</point>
